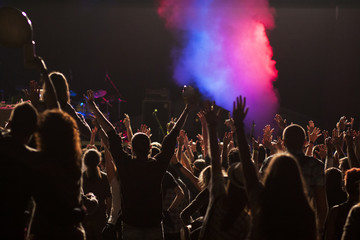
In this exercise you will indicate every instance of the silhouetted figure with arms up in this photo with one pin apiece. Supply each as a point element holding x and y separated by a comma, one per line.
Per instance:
<point>140,176</point>
<point>279,205</point>
<point>226,216</point>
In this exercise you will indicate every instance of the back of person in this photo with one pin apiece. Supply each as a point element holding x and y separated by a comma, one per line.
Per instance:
<point>14,187</point>
<point>312,171</point>
<point>101,189</point>
<point>57,197</point>
<point>141,192</point>
<point>57,178</point>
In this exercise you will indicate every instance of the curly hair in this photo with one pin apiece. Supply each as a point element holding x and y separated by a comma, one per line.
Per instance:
<point>58,136</point>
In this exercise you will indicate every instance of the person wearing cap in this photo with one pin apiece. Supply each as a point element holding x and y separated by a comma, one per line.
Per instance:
<point>226,216</point>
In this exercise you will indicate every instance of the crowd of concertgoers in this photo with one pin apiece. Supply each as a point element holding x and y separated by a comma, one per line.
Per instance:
<point>304,185</point>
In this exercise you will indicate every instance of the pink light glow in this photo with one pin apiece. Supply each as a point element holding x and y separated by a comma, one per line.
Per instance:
<point>225,51</point>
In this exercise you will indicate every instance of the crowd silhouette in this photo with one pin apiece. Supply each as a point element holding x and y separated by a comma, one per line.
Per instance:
<point>303,185</point>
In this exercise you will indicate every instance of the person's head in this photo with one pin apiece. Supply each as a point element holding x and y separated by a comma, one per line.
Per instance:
<point>204,177</point>
<point>236,200</point>
<point>61,87</point>
<point>283,180</point>
<point>236,184</point>
<point>140,143</point>
<point>352,182</point>
<point>23,119</point>
<point>233,156</point>
<point>58,135</point>
<point>92,159</point>
<point>333,178</point>
<point>198,166</point>
<point>284,200</point>
<point>294,138</point>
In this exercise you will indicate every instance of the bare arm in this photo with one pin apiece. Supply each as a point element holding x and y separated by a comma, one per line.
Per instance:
<point>211,114</point>
<point>352,159</point>
<point>204,131</point>
<point>177,200</point>
<point>127,124</point>
<point>108,203</point>
<point>104,123</point>
<point>110,166</point>
<point>239,114</point>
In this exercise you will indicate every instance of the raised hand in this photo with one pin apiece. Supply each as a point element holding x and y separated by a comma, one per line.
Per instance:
<point>313,135</point>
<point>311,126</point>
<point>337,137</point>
<point>89,98</point>
<point>280,121</point>
<point>145,129</point>
<point>279,144</point>
<point>267,136</point>
<point>181,137</point>
<point>126,120</point>
<point>322,152</point>
<point>343,122</point>
<point>170,124</point>
<point>201,117</point>
<point>192,145</point>
<point>239,110</point>
<point>329,144</point>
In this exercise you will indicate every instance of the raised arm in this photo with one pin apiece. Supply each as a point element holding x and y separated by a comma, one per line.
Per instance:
<point>352,159</point>
<point>104,123</point>
<point>239,114</point>
<point>102,133</point>
<point>169,142</point>
<point>110,166</point>
<point>211,114</point>
<point>204,131</point>
<point>127,124</point>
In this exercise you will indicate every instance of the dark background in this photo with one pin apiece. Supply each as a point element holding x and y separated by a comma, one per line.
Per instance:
<point>316,50</point>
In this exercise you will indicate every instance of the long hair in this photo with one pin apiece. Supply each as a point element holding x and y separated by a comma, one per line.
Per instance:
<point>92,159</point>
<point>58,136</point>
<point>61,87</point>
<point>236,197</point>
<point>285,210</point>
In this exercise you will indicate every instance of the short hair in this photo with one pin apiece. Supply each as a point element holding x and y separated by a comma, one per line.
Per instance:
<point>23,119</point>
<point>352,180</point>
<point>140,143</point>
<point>294,137</point>
<point>61,87</point>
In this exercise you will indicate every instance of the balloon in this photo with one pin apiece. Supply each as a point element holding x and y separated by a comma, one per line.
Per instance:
<point>15,28</point>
